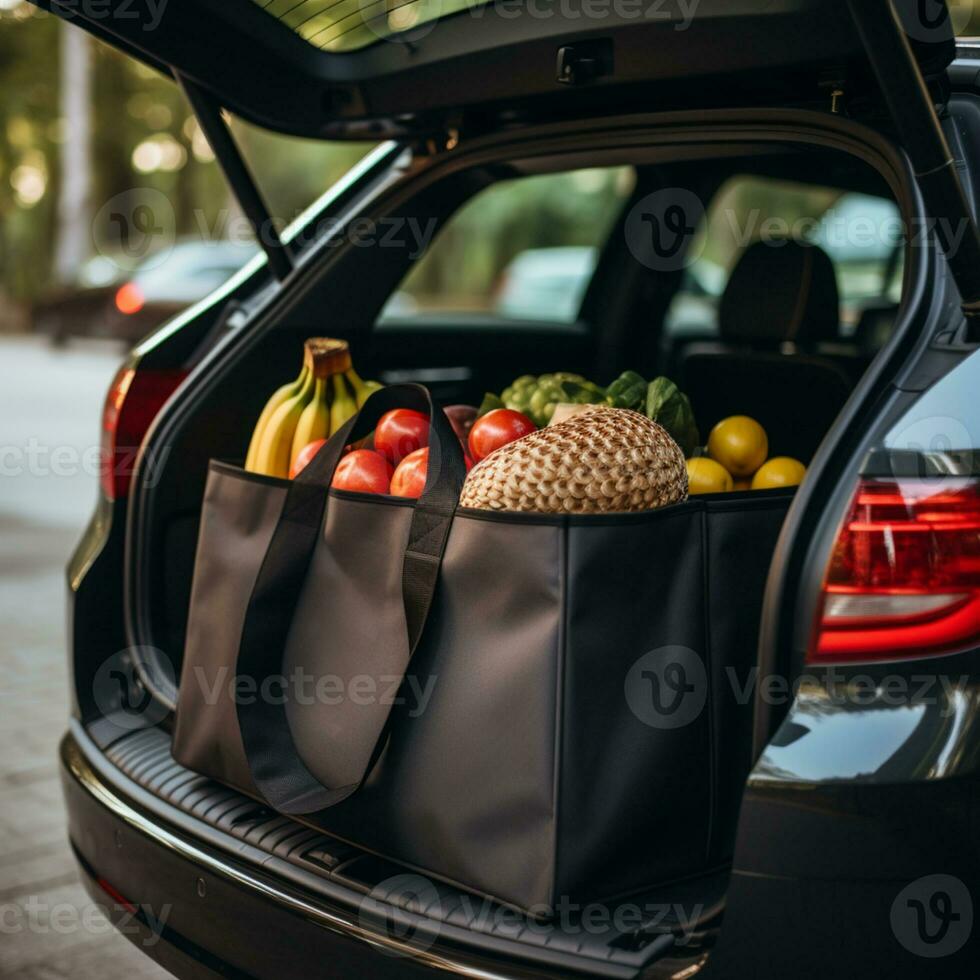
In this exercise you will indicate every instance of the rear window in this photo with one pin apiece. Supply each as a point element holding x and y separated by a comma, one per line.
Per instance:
<point>862,234</point>
<point>520,250</point>
<point>347,25</point>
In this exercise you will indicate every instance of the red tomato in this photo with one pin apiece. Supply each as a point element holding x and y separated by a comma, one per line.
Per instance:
<point>363,471</point>
<point>409,478</point>
<point>400,432</point>
<point>496,429</point>
<point>304,456</point>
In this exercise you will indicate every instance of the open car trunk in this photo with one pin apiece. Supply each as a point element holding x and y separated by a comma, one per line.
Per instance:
<point>726,555</point>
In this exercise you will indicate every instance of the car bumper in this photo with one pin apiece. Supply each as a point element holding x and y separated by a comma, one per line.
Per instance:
<point>200,913</point>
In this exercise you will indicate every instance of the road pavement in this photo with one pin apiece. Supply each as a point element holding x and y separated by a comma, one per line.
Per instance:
<point>50,407</point>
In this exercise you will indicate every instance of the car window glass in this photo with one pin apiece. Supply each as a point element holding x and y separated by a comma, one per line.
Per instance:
<point>861,233</point>
<point>522,249</point>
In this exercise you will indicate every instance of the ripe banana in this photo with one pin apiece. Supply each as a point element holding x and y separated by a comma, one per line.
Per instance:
<point>274,453</point>
<point>362,389</point>
<point>314,423</point>
<point>282,395</point>
<point>343,406</point>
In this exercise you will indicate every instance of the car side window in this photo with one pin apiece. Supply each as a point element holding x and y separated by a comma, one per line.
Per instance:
<point>522,249</point>
<point>861,233</point>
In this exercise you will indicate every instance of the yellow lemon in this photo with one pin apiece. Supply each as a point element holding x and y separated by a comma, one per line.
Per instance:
<point>739,444</point>
<point>706,476</point>
<point>780,471</point>
<point>742,485</point>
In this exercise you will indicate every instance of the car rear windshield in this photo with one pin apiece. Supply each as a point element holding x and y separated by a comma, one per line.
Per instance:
<point>348,25</point>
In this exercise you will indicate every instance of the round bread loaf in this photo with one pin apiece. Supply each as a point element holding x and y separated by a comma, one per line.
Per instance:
<point>602,460</point>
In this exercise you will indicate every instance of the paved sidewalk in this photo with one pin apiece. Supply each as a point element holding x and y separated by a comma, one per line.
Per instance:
<point>49,928</point>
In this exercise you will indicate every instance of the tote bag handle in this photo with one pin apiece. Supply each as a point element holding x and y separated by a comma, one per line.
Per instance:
<point>278,772</point>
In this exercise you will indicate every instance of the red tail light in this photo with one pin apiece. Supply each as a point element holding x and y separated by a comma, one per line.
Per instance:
<point>132,404</point>
<point>904,576</point>
<point>129,298</point>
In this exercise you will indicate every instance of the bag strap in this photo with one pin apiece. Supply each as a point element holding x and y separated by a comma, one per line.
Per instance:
<point>278,772</point>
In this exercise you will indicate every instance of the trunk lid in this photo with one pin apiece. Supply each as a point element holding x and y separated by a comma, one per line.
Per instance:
<point>367,68</point>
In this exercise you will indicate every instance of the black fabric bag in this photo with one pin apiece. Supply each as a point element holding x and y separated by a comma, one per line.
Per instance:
<point>531,707</point>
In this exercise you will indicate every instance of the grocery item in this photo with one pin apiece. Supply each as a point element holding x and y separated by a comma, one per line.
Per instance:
<point>602,460</point>
<point>668,406</point>
<point>307,409</point>
<point>400,432</point>
<point>362,389</point>
<point>275,442</point>
<point>282,395</point>
<point>303,457</point>
<point>408,479</point>
<point>342,405</point>
<point>536,397</point>
<point>740,444</point>
<point>496,429</point>
<point>627,391</point>
<point>363,471</point>
<point>780,471</point>
<point>314,422</point>
<point>706,476</point>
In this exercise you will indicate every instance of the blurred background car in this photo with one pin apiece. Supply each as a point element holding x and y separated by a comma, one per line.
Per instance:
<point>106,302</point>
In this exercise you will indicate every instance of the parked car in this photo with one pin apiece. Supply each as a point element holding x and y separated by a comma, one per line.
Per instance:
<point>105,302</point>
<point>851,702</point>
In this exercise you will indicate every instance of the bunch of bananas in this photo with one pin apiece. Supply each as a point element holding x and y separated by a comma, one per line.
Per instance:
<point>326,394</point>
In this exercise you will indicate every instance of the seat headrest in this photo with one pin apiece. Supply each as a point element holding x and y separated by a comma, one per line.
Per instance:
<point>781,290</point>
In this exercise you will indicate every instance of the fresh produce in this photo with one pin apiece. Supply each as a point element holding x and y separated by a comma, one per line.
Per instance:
<point>314,422</point>
<point>461,417</point>
<point>363,471</point>
<point>308,409</point>
<point>400,432</point>
<point>668,406</point>
<point>304,457</point>
<point>273,453</point>
<point>706,476</point>
<point>604,460</point>
<point>780,471</point>
<point>342,405</point>
<point>409,476</point>
<point>362,389</point>
<point>537,397</point>
<point>565,411</point>
<point>629,390</point>
<point>282,395</point>
<point>489,403</point>
<point>740,444</point>
<point>496,429</point>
